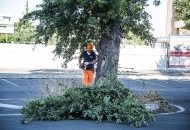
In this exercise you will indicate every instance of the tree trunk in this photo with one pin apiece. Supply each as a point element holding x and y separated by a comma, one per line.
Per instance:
<point>108,51</point>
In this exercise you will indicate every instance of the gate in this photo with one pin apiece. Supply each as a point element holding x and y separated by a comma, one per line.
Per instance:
<point>179,51</point>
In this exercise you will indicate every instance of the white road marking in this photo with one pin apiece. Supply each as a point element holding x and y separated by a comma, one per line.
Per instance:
<point>5,99</point>
<point>10,82</point>
<point>152,83</point>
<point>164,86</point>
<point>10,106</point>
<point>157,85</point>
<point>181,109</point>
<point>11,114</point>
<point>182,81</point>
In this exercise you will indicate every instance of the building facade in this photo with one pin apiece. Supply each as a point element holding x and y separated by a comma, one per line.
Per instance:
<point>6,24</point>
<point>174,26</point>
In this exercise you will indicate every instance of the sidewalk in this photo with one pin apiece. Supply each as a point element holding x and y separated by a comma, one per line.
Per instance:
<point>161,74</point>
<point>61,73</point>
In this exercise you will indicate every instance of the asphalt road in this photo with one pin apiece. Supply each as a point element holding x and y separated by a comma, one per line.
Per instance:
<point>14,93</point>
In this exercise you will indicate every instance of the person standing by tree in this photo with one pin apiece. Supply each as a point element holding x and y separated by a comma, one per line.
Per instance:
<point>89,59</point>
<point>106,22</point>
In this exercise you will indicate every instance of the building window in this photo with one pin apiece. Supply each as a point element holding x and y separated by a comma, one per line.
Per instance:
<point>2,27</point>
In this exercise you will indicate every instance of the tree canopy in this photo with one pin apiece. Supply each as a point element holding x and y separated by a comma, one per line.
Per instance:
<point>76,22</point>
<point>182,9</point>
<point>24,29</point>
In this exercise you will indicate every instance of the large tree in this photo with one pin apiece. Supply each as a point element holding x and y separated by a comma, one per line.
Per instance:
<point>102,22</point>
<point>182,9</point>
<point>24,29</point>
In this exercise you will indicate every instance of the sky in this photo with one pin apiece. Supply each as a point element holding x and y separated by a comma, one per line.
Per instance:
<point>15,9</point>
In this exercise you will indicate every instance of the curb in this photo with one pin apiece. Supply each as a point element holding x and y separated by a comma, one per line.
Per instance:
<point>181,109</point>
<point>161,77</point>
<point>46,76</point>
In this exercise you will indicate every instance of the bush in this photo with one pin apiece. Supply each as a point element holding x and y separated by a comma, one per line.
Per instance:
<point>108,100</point>
<point>4,40</point>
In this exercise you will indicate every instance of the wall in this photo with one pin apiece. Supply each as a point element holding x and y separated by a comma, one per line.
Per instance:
<point>143,58</point>
<point>21,56</point>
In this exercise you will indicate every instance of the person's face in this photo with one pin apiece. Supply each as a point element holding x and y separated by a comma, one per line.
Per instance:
<point>89,51</point>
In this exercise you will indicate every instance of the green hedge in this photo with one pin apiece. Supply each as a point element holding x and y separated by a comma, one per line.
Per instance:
<point>4,40</point>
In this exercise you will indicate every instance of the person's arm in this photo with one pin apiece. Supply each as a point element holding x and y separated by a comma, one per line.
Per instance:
<point>92,62</point>
<point>80,59</point>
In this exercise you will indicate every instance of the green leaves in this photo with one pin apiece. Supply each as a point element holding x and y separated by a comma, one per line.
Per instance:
<point>156,2</point>
<point>24,29</point>
<point>183,13</point>
<point>108,100</point>
<point>93,21</point>
<point>75,23</point>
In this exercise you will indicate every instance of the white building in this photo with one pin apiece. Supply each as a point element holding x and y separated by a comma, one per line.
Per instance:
<point>6,24</point>
<point>173,27</point>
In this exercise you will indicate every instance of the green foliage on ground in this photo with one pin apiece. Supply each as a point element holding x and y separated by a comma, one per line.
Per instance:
<point>106,100</point>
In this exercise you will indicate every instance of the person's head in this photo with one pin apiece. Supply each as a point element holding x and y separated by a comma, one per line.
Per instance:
<point>89,47</point>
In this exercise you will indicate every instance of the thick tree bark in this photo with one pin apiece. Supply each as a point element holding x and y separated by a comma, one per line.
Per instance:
<point>108,51</point>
